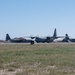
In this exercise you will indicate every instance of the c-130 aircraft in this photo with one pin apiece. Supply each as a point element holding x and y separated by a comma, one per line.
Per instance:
<point>18,40</point>
<point>47,39</point>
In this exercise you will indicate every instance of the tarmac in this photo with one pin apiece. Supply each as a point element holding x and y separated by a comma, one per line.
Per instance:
<point>43,43</point>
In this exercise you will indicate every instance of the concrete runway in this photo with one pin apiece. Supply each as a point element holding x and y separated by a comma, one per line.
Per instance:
<point>43,43</point>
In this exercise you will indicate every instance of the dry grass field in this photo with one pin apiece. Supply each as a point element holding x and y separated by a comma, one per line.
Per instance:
<point>37,59</point>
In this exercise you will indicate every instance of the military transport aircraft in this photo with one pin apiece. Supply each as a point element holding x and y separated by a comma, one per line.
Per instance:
<point>18,40</point>
<point>65,39</point>
<point>68,39</point>
<point>47,39</point>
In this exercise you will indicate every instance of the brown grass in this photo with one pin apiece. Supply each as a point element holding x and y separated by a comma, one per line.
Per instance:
<point>38,59</point>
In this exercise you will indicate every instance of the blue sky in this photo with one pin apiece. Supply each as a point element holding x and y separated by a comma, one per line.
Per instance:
<point>36,17</point>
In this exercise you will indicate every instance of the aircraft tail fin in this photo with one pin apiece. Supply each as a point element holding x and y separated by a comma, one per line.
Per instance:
<point>67,37</point>
<point>55,33</point>
<point>7,37</point>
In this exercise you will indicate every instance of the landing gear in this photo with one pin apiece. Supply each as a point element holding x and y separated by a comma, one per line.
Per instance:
<point>32,42</point>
